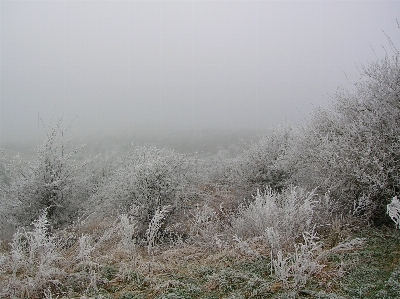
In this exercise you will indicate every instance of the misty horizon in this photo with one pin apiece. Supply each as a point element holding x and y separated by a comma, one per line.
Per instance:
<point>126,66</point>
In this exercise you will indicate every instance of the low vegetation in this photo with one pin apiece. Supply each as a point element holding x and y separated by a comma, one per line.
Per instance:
<point>310,212</point>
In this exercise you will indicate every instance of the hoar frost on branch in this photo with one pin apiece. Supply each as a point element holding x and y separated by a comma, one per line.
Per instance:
<point>145,182</point>
<point>393,209</point>
<point>54,180</point>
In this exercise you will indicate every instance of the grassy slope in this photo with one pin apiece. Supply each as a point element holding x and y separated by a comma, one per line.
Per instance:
<point>371,271</point>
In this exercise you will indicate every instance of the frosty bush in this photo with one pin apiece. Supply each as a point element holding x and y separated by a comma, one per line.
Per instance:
<point>53,181</point>
<point>127,231</point>
<point>205,226</point>
<point>259,165</point>
<point>289,212</point>
<point>393,209</point>
<point>352,149</point>
<point>84,257</point>
<point>153,231</point>
<point>294,269</point>
<point>144,183</point>
<point>33,261</point>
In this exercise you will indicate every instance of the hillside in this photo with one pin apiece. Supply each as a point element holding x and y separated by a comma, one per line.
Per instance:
<point>300,213</point>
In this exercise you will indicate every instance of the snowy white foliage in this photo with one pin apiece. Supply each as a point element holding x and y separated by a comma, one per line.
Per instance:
<point>294,268</point>
<point>205,226</point>
<point>281,218</point>
<point>85,251</point>
<point>352,148</point>
<point>243,246</point>
<point>259,165</point>
<point>33,260</point>
<point>393,209</point>
<point>128,232</point>
<point>146,181</point>
<point>84,257</point>
<point>351,152</point>
<point>152,232</point>
<point>274,239</point>
<point>54,180</point>
<point>290,212</point>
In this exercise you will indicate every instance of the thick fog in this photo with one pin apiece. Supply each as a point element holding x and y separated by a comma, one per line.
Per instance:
<point>122,66</point>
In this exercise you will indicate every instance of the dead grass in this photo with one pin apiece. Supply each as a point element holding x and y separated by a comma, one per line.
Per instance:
<point>218,270</point>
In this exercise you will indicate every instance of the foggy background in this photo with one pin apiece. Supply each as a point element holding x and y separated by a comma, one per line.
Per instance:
<point>138,66</point>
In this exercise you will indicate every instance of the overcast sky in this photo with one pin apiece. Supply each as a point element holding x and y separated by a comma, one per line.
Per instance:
<point>124,65</point>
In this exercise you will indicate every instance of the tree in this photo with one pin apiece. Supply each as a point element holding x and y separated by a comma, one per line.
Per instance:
<point>53,181</point>
<point>353,148</point>
<point>147,181</point>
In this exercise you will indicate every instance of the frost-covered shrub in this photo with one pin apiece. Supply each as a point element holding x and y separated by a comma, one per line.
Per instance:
<point>205,226</point>
<point>289,212</point>
<point>33,262</point>
<point>144,183</point>
<point>259,165</point>
<point>54,180</point>
<point>100,168</point>
<point>293,269</point>
<point>128,232</point>
<point>3,177</point>
<point>85,260</point>
<point>352,149</point>
<point>393,209</point>
<point>153,231</point>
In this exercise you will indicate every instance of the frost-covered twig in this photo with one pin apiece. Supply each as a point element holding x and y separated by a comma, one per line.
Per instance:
<point>33,259</point>
<point>128,231</point>
<point>393,209</point>
<point>85,257</point>
<point>294,269</point>
<point>155,226</point>
<point>243,246</point>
